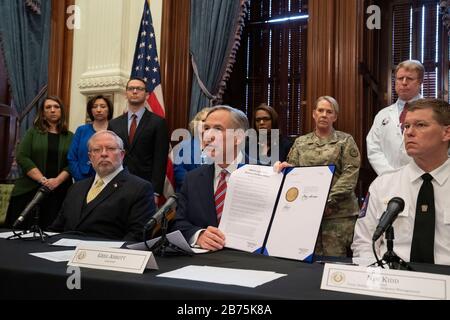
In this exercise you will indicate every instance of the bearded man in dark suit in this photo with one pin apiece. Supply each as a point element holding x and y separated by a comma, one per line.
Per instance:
<point>114,204</point>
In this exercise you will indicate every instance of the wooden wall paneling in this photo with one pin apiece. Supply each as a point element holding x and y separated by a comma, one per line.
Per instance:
<point>334,52</point>
<point>320,55</point>
<point>373,89</point>
<point>347,81</point>
<point>176,73</point>
<point>60,55</point>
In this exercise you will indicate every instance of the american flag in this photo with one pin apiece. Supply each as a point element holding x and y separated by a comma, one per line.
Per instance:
<point>146,66</point>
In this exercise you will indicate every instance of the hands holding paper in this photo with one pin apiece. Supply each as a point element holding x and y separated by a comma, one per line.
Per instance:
<point>279,166</point>
<point>211,239</point>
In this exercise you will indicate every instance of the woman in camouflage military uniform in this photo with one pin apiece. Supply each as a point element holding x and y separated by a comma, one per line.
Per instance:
<point>326,146</point>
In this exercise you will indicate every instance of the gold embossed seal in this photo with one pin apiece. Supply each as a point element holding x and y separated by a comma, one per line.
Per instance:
<point>292,194</point>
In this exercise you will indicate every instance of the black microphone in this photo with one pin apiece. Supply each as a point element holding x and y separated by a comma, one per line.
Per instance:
<point>170,204</point>
<point>394,207</point>
<point>38,197</point>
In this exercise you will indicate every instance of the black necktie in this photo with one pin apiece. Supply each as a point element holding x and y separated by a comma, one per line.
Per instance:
<point>422,246</point>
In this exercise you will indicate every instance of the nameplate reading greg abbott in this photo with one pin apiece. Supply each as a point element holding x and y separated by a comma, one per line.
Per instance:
<point>122,260</point>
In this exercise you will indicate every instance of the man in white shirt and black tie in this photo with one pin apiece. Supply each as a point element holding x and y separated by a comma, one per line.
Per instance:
<point>422,230</point>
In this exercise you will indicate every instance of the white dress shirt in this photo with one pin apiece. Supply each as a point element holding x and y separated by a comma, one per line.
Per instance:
<point>405,183</point>
<point>217,170</point>
<point>107,179</point>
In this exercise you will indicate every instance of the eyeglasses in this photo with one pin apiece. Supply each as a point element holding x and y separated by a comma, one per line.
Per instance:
<point>263,119</point>
<point>407,79</point>
<point>97,151</point>
<point>141,89</point>
<point>419,125</point>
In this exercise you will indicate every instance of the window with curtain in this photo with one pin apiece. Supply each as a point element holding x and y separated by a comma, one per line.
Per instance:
<point>271,63</point>
<point>418,33</point>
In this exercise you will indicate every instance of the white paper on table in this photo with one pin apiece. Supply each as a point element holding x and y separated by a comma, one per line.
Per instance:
<point>175,238</point>
<point>75,243</point>
<point>299,213</point>
<point>55,256</point>
<point>251,194</point>
<point>5,235</point>
<point>238,277</point>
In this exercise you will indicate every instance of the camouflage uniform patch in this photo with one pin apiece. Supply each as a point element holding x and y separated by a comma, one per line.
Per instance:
<point>335,237</point>
<point>354,153</point>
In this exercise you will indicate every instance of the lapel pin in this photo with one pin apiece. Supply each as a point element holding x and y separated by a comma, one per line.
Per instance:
<point>424,208</point>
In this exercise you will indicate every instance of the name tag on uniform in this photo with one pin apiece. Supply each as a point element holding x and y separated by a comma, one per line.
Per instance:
<point>122,260</point>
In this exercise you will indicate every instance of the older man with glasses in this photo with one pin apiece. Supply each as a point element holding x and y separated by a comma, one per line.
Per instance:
<point>114,204</point>
<point>385,148</point>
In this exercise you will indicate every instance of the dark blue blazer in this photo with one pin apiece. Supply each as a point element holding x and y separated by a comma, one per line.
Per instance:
<point>196,208</point>
<point>79,165</point>
<point>119,212</point>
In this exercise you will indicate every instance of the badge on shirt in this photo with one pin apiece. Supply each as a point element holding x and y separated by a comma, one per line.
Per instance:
<point>385,121</point>
<point>362,212</point>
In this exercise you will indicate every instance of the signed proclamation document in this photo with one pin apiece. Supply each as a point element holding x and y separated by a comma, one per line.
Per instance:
<point>276,214</point>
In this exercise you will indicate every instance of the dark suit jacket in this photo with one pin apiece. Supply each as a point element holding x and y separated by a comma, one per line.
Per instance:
<point>119,212</point>
<point>196,208</point>
<point>146,157</point>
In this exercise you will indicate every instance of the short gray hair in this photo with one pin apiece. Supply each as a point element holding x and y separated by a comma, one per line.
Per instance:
<point>238,118</point>
<point>412,65</point>
<point>108,132</point>
<point>329,99</point>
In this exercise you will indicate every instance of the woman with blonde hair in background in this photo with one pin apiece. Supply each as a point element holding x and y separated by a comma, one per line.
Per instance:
<point>183,164</point>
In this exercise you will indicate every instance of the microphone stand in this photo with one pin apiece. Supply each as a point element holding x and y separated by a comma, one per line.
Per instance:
<point>390,257</point>
<point>161,246</point>
<point>35,229</point>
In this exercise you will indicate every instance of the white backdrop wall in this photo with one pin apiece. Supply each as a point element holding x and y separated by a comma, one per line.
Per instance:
<point>103,51</point>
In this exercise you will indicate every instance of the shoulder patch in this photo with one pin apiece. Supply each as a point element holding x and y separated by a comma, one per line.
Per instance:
<point>354,152</point>
<point>362,212</point>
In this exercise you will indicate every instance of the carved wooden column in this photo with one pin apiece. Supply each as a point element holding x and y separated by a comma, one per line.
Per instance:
<point>60,55</point>
<point>176,72</point>
<point>334,53</point>
<point>320,56</point>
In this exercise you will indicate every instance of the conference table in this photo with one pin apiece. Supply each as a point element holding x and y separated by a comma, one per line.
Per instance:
<point>24,276</point>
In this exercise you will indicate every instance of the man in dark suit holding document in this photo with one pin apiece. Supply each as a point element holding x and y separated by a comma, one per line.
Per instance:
<point>203,192</point>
